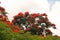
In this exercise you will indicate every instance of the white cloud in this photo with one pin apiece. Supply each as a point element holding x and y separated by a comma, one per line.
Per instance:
<point>55,17</point>
<point>15,6</point>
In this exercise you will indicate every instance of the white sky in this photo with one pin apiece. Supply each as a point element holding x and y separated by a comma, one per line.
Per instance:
<point>13,7</point>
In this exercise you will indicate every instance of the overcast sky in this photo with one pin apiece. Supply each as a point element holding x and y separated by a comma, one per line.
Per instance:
<point>13,7</point>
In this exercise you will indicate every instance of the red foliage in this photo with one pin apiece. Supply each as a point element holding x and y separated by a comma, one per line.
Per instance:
<point>16,16</point>
<point>48,31</point>
<point>40,20</point>
<point>26,13</point>
<point>5,18</point>
<point>11,23</point>
<point>2,9</point>
<point>1,16</point>
<point>44,14</point>
<point>20,14</point>
<point>27,29</point>
<point>7,22</point>
<point>34,15</point>
<point>53,26</point>
<point>46,19</point>
<point>35,25</point>
<point>16,29</point>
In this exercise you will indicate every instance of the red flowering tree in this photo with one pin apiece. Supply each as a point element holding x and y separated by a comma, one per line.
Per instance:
<point>3,15</point>
<point>4,19</point>
<point>36,23</point>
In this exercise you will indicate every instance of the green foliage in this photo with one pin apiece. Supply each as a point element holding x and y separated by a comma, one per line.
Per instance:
<point>7,34</point>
